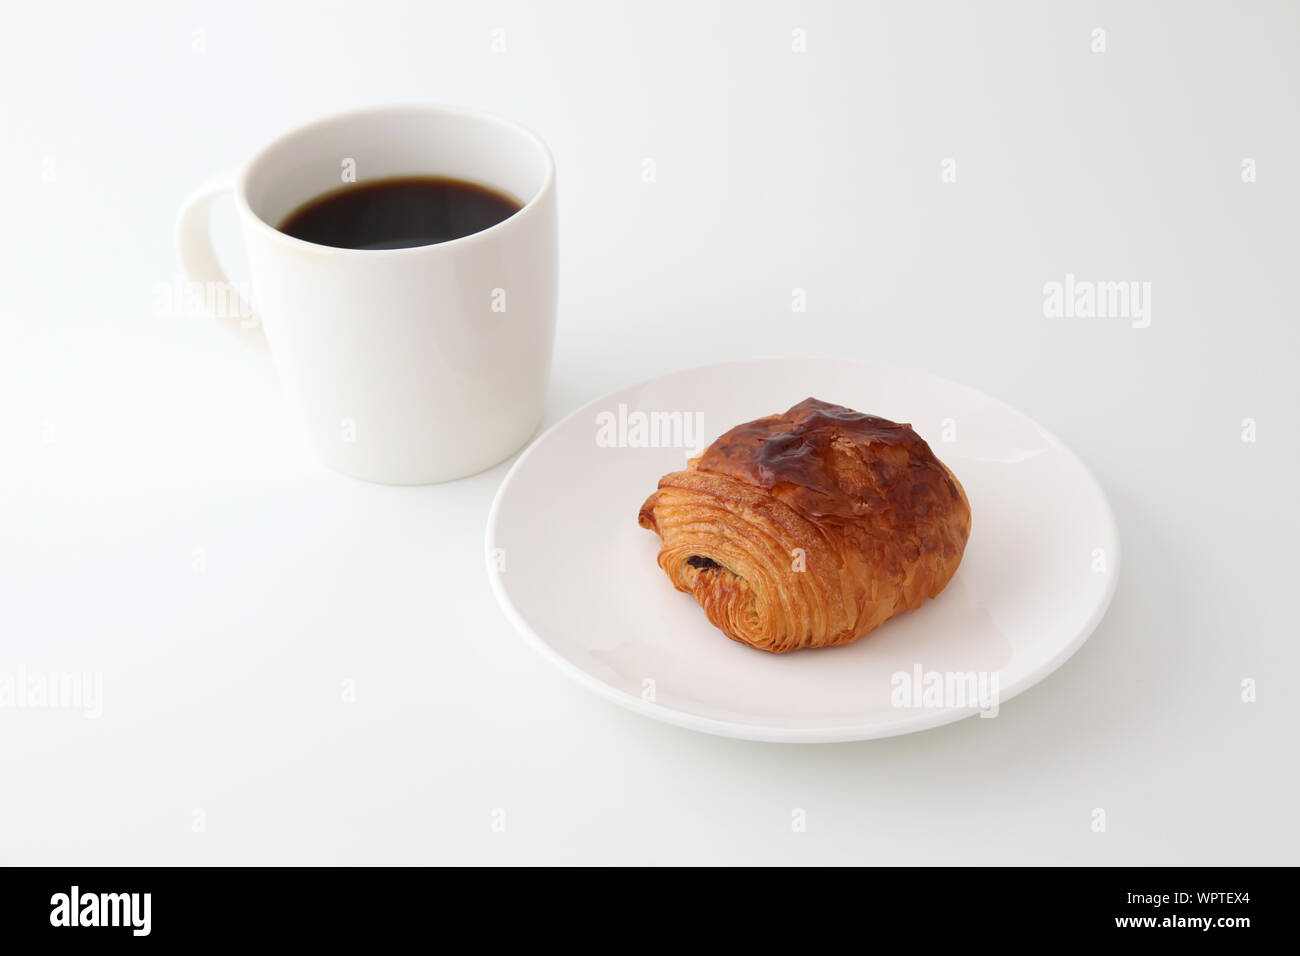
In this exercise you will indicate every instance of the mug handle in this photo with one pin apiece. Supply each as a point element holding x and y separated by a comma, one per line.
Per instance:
<point>199,261</point>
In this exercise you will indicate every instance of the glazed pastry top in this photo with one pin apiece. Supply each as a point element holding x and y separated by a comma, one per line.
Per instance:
<point>827,460</point>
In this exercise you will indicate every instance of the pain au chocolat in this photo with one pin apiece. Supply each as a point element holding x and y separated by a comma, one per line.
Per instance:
<point>810,528</point>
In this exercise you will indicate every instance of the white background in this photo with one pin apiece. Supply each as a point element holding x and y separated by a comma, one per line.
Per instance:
<point>163,523</point>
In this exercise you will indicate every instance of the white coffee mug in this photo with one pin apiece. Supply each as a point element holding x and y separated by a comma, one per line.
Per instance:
<point>406,366</point>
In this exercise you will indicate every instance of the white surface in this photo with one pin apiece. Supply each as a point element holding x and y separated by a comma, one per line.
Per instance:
<point>134,436</point>
<point>579,577</point>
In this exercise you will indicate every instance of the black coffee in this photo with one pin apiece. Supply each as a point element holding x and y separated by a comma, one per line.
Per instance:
<point>400,212</point>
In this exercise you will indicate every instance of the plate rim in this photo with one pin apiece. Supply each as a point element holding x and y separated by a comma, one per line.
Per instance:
<point>756,732</point>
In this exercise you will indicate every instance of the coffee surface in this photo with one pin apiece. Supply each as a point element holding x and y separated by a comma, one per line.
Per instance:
<point>398,213</point>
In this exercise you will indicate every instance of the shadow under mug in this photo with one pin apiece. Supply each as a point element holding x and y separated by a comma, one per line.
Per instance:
<point>405,366</point>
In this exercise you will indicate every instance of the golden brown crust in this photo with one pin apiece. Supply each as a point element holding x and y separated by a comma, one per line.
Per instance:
<point>810,528</point>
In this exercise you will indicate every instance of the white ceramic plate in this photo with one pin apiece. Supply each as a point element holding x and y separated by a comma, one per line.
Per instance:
<point>577,575</point>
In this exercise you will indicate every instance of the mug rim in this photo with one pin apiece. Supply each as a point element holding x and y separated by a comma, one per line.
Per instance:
<point>482,116</point>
